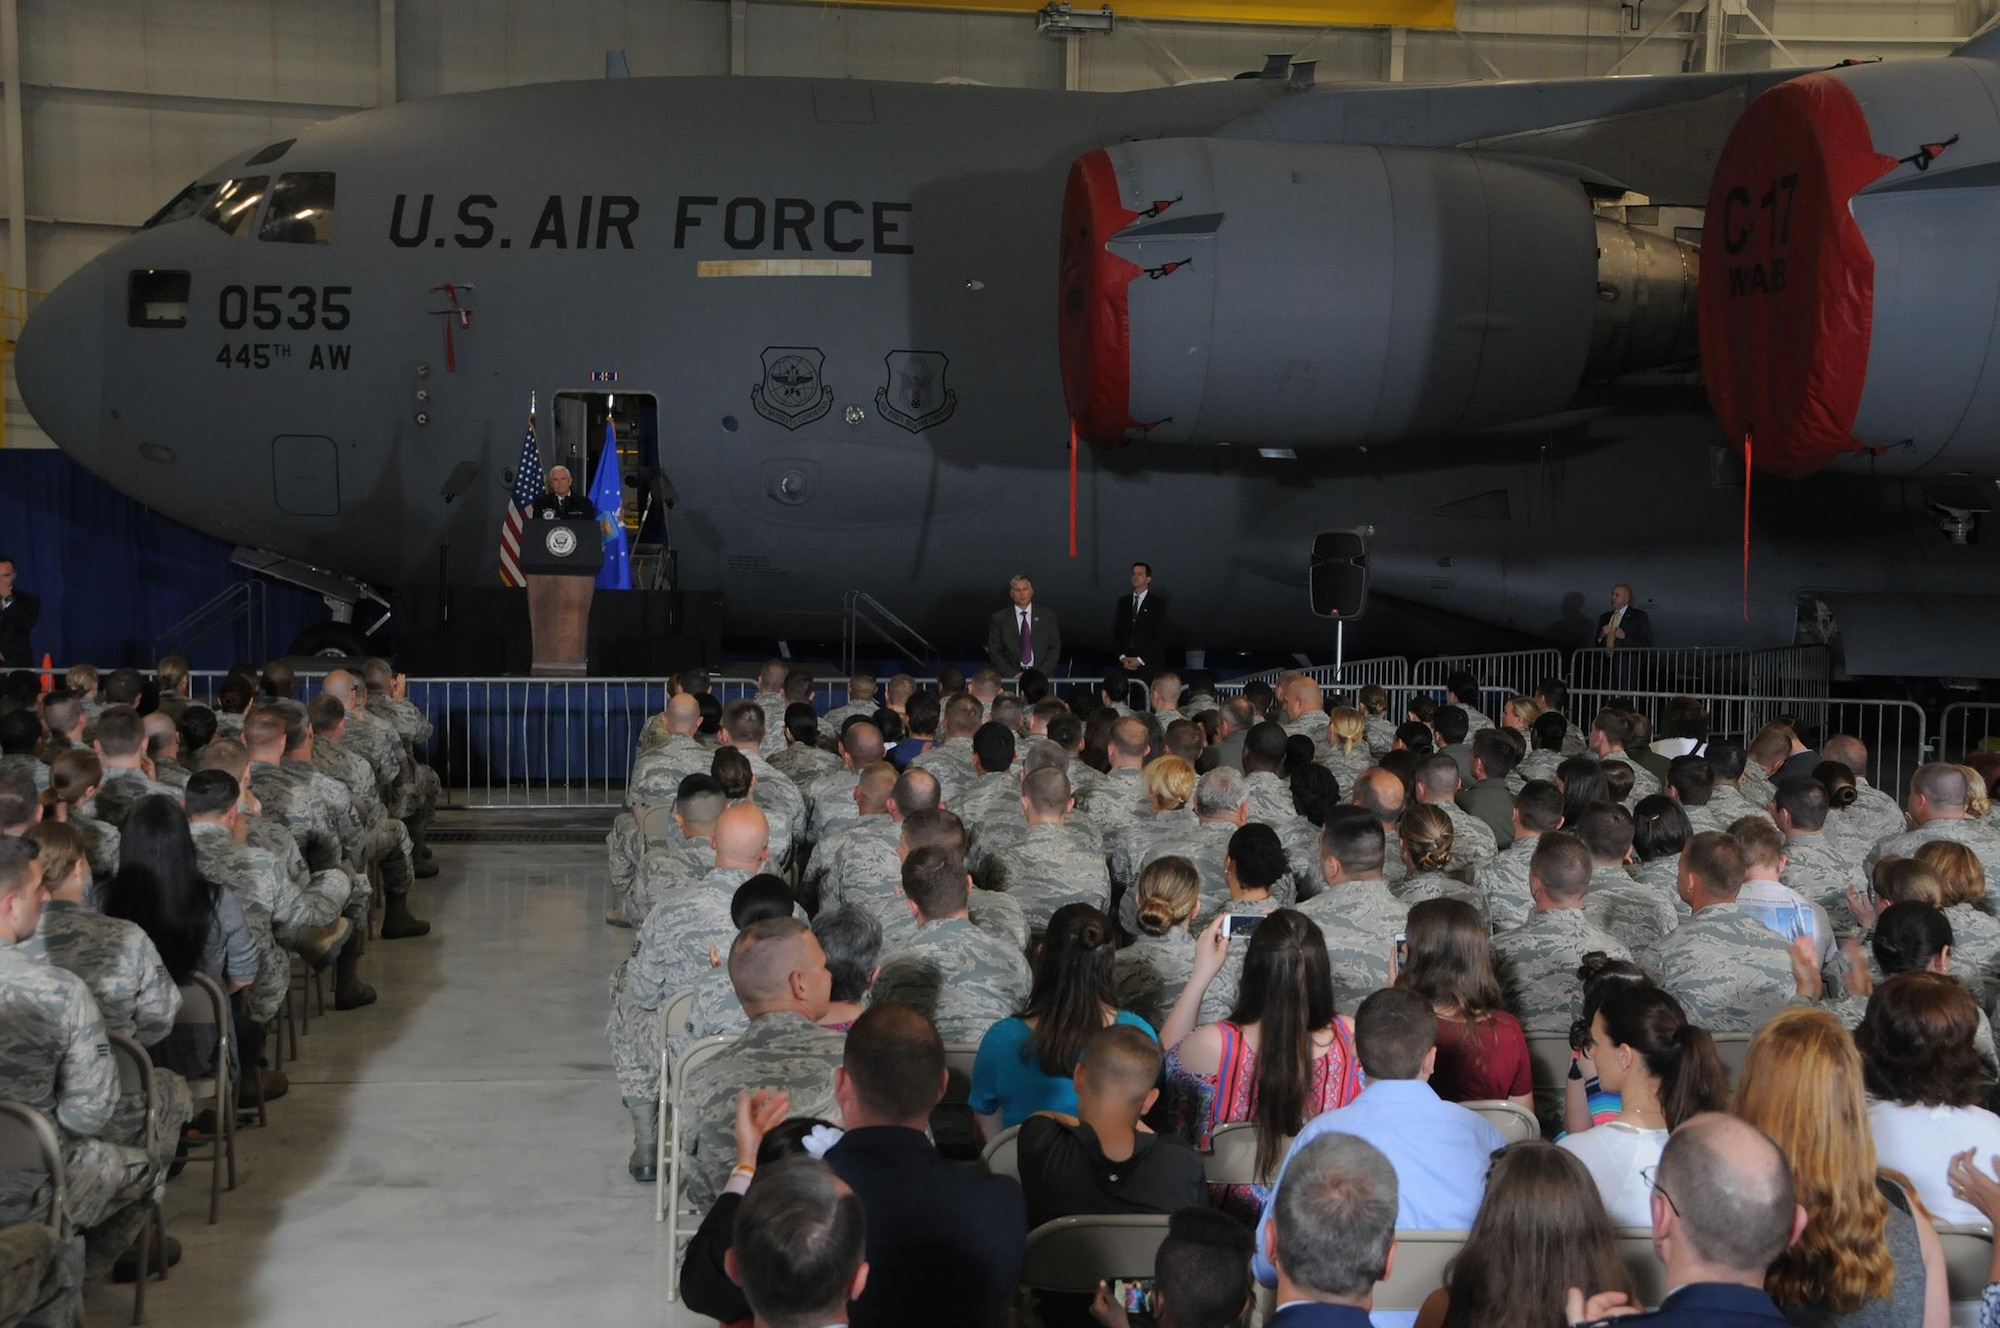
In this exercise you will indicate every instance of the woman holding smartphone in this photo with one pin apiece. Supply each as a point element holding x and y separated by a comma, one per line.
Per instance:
<point>1280,1058</point>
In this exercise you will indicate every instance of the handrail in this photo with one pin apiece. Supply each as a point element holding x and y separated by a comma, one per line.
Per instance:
<point>239,601</point>
<point>859,609</point>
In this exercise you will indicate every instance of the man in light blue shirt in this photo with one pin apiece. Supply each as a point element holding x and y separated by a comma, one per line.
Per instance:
<point>1439,1149</point>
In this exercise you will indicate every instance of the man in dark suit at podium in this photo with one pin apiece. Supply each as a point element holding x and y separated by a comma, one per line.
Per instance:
<point>558,502</point>
<point>1139,628</point>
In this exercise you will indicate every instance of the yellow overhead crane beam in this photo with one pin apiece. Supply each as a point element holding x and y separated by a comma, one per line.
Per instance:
<point>1296,13</point>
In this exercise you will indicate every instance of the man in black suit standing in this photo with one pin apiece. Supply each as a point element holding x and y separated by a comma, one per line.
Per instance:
<point>1624,626</point>
<point>944,1242</point>
<point>19,612</point>
<point>1023,636</point>
<point>1139,629</point>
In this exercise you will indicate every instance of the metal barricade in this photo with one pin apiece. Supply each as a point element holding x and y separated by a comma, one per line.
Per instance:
<point>1968,726</point>
<point>1790,671</point>
<point>1896,733</point>
<point>1500,675</point>
<point>1389,671</point>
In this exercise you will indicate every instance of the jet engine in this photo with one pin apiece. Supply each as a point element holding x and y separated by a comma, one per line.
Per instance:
<point>1849,297</point>
<point>1318,294</point>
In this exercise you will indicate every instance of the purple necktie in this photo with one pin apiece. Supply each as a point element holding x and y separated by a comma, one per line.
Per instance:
<point>1027,641</point>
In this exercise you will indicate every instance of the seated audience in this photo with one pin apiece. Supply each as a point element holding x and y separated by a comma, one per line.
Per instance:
<point>1026,1063</point>
<point>1660,830</point>
<point>851,939</point>
<point>1201,1275</point>
<point>1102,1158</point>
<point>1727,969</point>
<point>780,978</point>
<point>1440,1151</point>
<point>1541,1230</point>
<point>1926,1084</point>
<point>953,973</point>
<point>1867,1252</point>
<point>1281,1057</point>
<point>765,1134</point>
<point>1975,932</point>
<point>1148,975</point>
<point>943,1240</point>
<point>1537,962</point>
<point>1664,1070</point>
<point>797,1247</point>
<point>1723,1214</point>
<point>1329,1234</point>
<point>1586,1101</point>
<point>1482,1053</point>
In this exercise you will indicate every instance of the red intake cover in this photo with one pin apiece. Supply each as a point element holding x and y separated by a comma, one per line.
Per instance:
<point>1093,325</point>
<point>1787,282</point>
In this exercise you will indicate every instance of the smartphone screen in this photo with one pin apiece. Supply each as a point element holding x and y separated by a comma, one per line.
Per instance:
<point>1238,926</point>
<point>1135,1295</point>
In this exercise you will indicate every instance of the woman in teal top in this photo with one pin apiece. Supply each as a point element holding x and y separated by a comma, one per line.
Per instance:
<point>1025,1063</point>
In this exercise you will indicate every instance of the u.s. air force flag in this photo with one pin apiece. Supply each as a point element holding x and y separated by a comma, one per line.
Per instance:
<point>607,495</point>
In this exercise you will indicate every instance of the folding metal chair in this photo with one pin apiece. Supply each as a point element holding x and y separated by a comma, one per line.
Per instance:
<point>1649,1275</point>
<point>135,1078</point>
<point>1232,1155</point>
<point>1421,1257</point>
<point>1731,1049</point>
<point>204,1006</point>
<point>1516,1125</point>
<point>1968,1257</point>
<point>675,1015</point>
<point>1071,1255</point>
<point>1002,1154</point>
<point>29,1144</point>
<point>693,1058</point>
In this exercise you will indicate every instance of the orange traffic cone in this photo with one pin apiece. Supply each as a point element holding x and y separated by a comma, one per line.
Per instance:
<point>48,672</point>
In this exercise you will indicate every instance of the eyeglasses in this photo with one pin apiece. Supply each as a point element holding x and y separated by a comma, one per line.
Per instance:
<point>1651,1175</point>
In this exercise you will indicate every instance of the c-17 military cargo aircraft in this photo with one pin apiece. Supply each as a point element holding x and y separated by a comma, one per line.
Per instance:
<point>1520,334</point>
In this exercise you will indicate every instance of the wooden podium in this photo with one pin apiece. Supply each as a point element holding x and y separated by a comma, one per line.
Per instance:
<point>560,560</point>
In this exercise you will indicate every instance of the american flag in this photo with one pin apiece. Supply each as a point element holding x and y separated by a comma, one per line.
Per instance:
<point>527,488</point>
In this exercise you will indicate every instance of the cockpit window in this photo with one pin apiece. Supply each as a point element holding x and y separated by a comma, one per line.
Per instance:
<point>235,202</point>
<point>272,153</point>
<point>184,204</point>
<point>301,209</point>
<point>157,297</point>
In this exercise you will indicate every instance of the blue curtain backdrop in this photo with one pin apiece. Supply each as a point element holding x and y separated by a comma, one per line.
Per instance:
<point>113,576</point>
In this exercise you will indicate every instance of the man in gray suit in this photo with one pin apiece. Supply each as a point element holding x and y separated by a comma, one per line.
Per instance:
<point>1236,719</point>
<point>1023,636</point>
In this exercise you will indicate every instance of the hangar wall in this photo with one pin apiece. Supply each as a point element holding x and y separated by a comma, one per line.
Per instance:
<point>122,102</point>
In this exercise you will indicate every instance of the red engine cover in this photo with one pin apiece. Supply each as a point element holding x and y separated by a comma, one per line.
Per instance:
<point>1787,289</point>
<point>1094,331</point>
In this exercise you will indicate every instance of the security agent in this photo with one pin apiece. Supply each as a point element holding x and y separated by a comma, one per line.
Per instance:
<point>557,502</point>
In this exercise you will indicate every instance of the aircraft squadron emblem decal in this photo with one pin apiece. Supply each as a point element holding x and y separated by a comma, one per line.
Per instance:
<point>915,397</point>
<point>560,541</point>
<point>793,393</point>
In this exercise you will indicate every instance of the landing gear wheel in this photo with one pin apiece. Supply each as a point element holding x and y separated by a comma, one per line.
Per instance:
<point>333,640</point>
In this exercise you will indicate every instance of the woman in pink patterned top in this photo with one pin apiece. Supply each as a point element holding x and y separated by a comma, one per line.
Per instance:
<point>1281,1057</point>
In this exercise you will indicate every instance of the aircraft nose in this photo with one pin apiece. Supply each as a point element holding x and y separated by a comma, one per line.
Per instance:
<point>59,365</point>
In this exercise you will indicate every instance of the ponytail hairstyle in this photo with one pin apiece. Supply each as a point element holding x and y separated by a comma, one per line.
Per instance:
<point>1169,893</point>
<point>1976,800</point>
<point>1348,726</point>
<point>1673,1051</point>
<point>1426,833</point>
<point>1582,781</point>
<point>1908,936</point>
<point>1451,959</point>
<point>1839,783</point>
<point>1072,988</point>
<point>74,774</point>
<point>1287,992</point>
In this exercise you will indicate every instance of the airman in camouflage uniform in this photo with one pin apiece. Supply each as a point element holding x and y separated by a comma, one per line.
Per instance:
<point>1661,874</point>
<point>666,870</point>
<point>1381,738</point>
<point>1729,803</point>
<point>1975,950</point>
<point>1269,799</point>
<point>1360,920</point>
<point>778,798</point>
<point>416,804</point>
<point>1817,866</point>
<point>714,1012</point>
<point>1502,883</point>
<point>805,765</point>
<point>37,1285</point>
<point>770,699</point>
<point>32,768</point>
<point>1537,965</point>
<point>1540,763</point>
<point>1133,843</point>
<point>1305,711</point>
<point>997,914</point>
<point>1151,973</point>
<point>992,800</point>
<point>863,701</point>
<point>1116,800</point>
<point>122,787</point>
<point>55,1058</point>
<point>1638,915</point>
<point>1053,865</point>
<point>951,761</point>
<point>336,753</point>
<point>1874,815</point>
<point>682,940</point>
<point>783,1050</point>
<point>958,975</point>
<point>1421,886</point>
<point>1973,832</point>
<point>1728,970</point>
<point>861,863</point>
<point>254,879</point>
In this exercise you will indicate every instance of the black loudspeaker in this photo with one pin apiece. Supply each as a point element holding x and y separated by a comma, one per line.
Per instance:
<point>1338,577</point>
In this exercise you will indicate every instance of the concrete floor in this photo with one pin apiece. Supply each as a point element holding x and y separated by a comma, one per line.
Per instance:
<point>455,1153</point>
